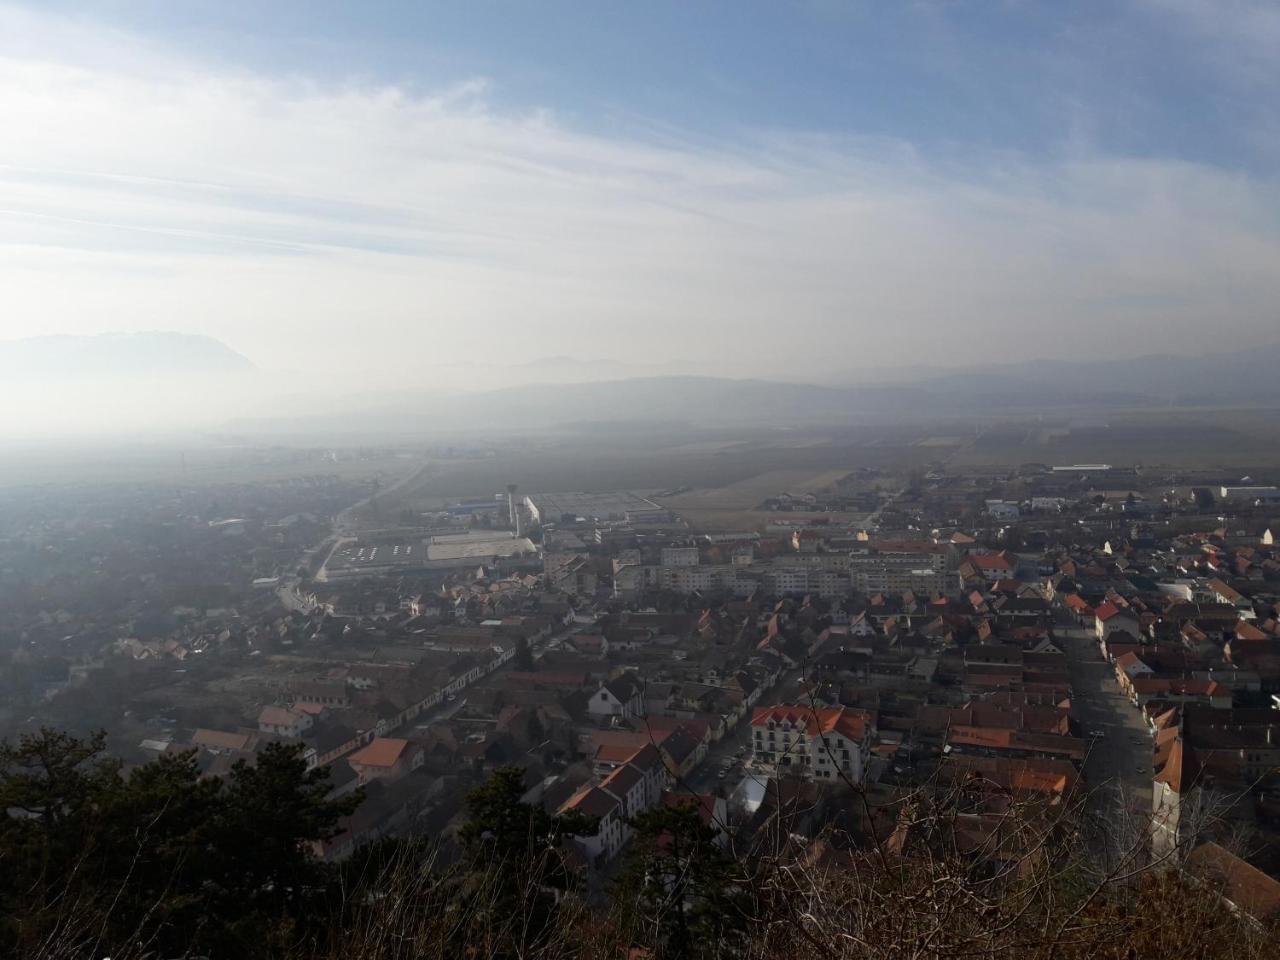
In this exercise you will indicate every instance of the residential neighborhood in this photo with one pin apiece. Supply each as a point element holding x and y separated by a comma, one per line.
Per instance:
<point>1066,648</point>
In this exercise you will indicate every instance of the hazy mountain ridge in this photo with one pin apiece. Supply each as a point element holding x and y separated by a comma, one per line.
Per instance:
<point>1162,376</point>
<point>136,380</point>
<point>112,356</point>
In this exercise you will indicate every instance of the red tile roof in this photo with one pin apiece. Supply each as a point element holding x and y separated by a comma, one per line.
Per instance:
<point>1106,610</point>
<point>844,720</point>
<point>591,801</point>
<point>1181,769</point>
<point>990,561</point>
<point>382,752</point>
<point>1246,887</point>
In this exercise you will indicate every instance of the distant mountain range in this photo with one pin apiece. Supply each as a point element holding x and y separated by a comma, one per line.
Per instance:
<point>117,355</point>
<point>715,400</point>
<point>556,392</point>
<point>1238,378</point>
<point>1235,377</point>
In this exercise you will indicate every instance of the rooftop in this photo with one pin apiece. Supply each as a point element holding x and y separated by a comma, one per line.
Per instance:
<point>382,752</point>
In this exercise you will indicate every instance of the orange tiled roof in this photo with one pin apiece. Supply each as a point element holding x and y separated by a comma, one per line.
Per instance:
<point>1181,769</point>
<point>1249,889</point>
<point>843,720</point>
<point>382,752</point>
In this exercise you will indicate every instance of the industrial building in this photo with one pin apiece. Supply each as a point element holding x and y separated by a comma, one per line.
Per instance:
<point>352,559</point>
<point>617,507</point>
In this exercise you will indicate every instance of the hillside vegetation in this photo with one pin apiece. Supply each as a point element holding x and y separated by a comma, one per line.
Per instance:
<point>160,862</point>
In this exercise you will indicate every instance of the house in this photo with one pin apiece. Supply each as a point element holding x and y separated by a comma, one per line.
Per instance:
<point>1142,689</point>
<point>1078,607</point>
<point>284,721</point>
<point>824,743</point>
<point>1245,889</point>
<point>989,566</point>
<point>326,693</point>
<point>572,574</point>
<point>1172,789</point>
<point>386,758</point>
<point>222,741</point>
<point>1108,618</point>
<point>627,785</point>
<point>612,832</point>
<point>682,750</point>
<point>621,698</point>
<point>1131,666</point>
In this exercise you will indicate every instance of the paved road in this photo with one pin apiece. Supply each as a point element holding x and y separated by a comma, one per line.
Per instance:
<point>346,522</point>
<point>706,778</point>
<point>1120,760</point>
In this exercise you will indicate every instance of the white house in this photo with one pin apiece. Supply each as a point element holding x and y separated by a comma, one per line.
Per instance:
<point>1132,667</point>
<point>821,743</point>
<point>1108,619</point>
<point>284,721</point>
<point>631,788</point>
<point>622,697</point>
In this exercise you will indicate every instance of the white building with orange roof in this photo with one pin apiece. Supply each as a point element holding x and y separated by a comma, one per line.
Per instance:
<point>821,743</point>
<point>386,758</point>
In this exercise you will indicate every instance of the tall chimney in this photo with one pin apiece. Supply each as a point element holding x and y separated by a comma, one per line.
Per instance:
<point>511,508</point>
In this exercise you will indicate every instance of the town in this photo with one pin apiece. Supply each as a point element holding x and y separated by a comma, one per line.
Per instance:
<point>1084,636</point>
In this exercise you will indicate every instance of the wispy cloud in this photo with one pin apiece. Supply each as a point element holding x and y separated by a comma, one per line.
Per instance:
<point>351,227</point>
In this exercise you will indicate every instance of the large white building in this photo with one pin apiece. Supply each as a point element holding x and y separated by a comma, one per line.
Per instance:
<point>679,556</point>
<point>820,743</point>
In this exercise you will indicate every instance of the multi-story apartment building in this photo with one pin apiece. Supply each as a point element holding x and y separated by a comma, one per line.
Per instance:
<point>894,567</point>
<point>820,743</point>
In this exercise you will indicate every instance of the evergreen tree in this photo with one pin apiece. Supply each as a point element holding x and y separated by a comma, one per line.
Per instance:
<point>515,850</point>
<point>163,859</point>
<point>683,894</point>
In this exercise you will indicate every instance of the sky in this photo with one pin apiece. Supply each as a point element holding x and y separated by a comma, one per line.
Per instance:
<point>366,192</point>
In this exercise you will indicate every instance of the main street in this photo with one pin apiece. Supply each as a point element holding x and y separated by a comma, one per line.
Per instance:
<point>1118,764</point>
<point>735,747</point>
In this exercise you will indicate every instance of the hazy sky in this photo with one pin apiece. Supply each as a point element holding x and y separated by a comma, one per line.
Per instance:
<point>760,186</point>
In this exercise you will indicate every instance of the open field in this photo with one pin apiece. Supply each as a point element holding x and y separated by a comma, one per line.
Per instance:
<point>194,463</point>
<point>1248,439</point>
<point>720,480</point>
<point>733,506</point>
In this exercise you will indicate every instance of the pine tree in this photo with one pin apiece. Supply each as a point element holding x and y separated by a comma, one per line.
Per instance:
<point>684,895</point>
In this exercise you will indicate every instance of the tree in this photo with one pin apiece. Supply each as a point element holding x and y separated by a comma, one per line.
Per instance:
<point>163,860</point>
<point>269,815</point>
<point>501,826</point>
<point>514,850</point>
<point>684,893</point>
